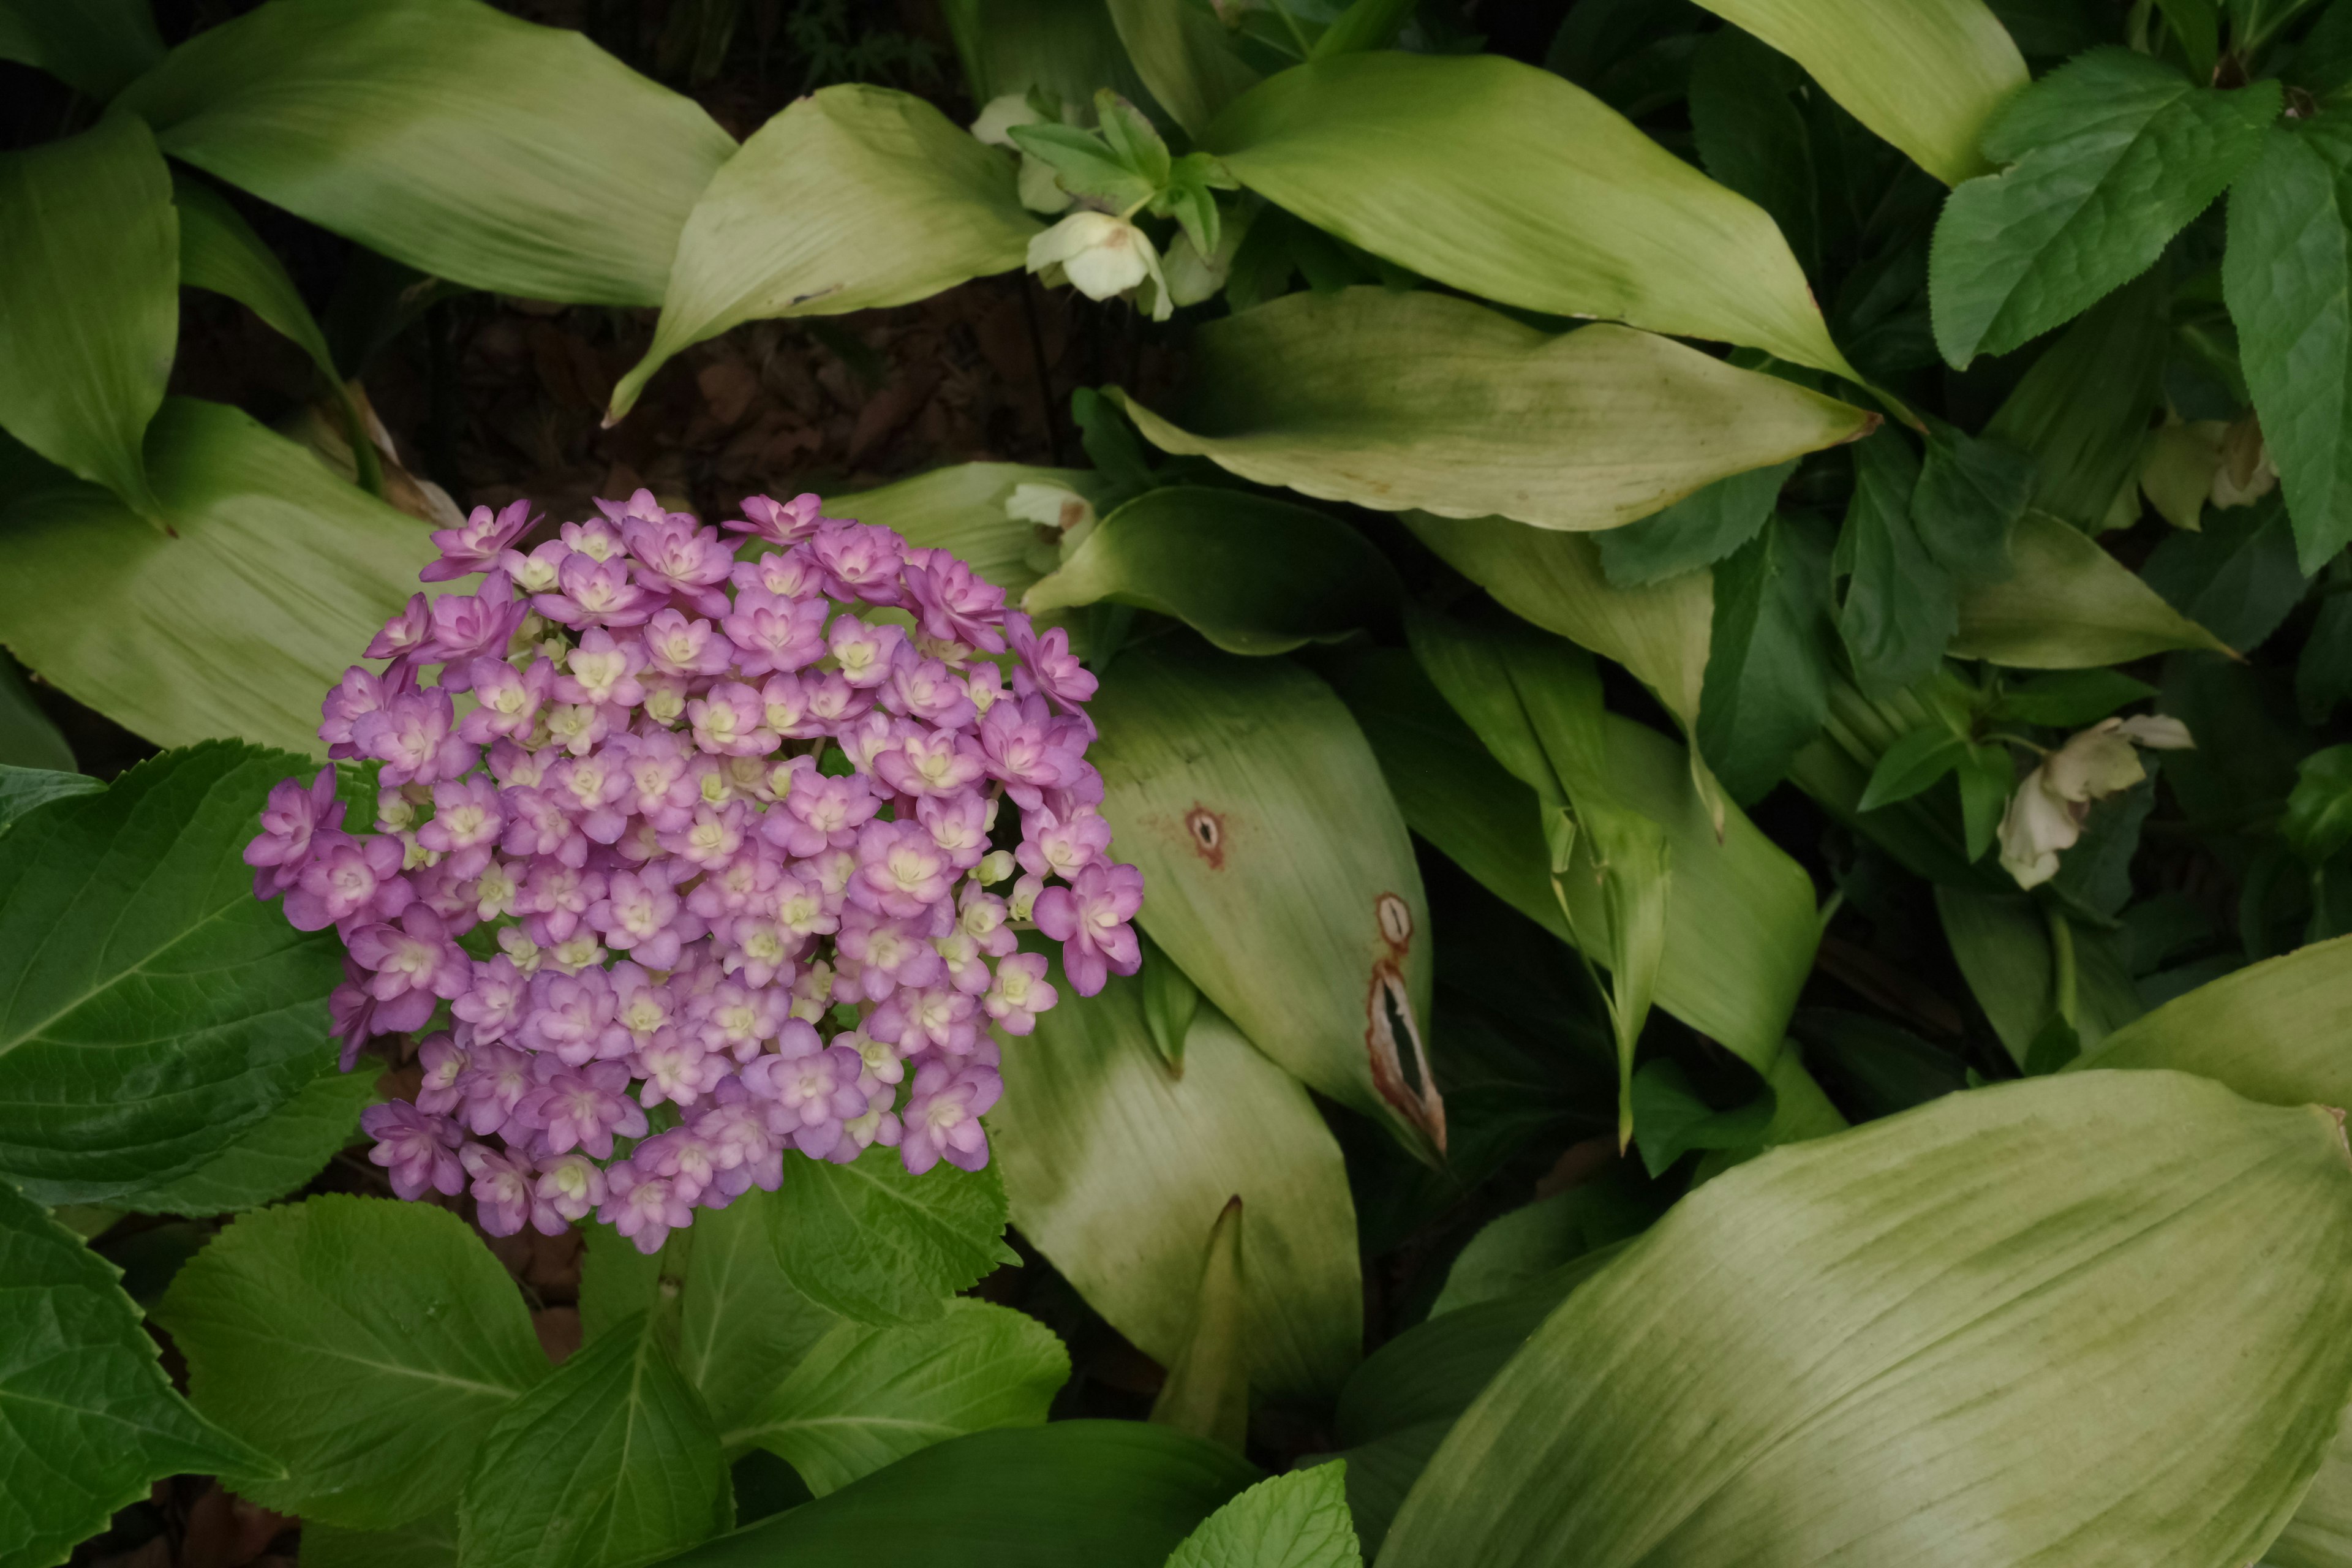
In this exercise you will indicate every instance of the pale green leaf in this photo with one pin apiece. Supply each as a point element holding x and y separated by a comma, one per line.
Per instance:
<point>1207,1391</point>
<point>1251,573</point>
<point>468,145</point>
<point>275,575</point>
<point>1064,48</point>
<point>155,1009</point>
<point>1281,878</point>
<point>94,45</point>
<point>876,1243</point>
<point>865,1397</point>
<point>1395,401</point>
<point>1117,1170</point>
<point>89,300</point>
<point>88,1419</point>
<point>2106,159</point>
<point>611,1461</point>
<point>1187,56</point>
<point>369,1345</point>
<point>275,1155</point>
<point>2068,605</point>
<point>2271,1031</point>
<point>1925,75</point>
<point>1297,1521</point>
<point>854,197</point>
<point>1074,1494</point>
<point>1988,1381</point>
<point>2321,1533</point>
<point>961,508</point>
<point>1515,185</point>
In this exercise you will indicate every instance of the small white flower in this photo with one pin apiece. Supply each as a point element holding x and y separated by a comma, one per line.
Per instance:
<point>1100,256</point>
<point>2045,815</point>
<point>2036,827</point>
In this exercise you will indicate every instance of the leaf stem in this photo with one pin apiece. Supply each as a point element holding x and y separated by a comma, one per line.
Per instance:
<point>2061,948</point>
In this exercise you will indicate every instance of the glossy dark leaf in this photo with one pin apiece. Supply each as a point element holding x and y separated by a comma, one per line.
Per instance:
<point>1767,667</point>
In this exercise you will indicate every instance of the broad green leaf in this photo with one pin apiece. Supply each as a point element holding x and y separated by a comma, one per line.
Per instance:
<point>368,1345</point>
<point>22,789</point>
<point>1074,1494</point>
<point>1064,48</point>
<point>91,281</point>
<point>2104,159</point>
<point>2271,1030</point>
<point>1900,607</point>
<point>2002,944</point>
<point>2069,699</point>
<point>1187,56</point>
<point>2322,673</point>
<point>2287,276</point>
<point>1207,1390</point>
<point>1798,1110</point>
<point>865,1397</point>
<point>1670,1120</point>
<point>1514,183</point>
<point>155,1009</point>
<point>609,1462</point>
<point>617,1282</point>
<point>1697,530</point>
<point>94,45</point>
<point>274,578</point>
<point>1912,764</point>
<point>961,508</point>
<point>2321,1533</point>
<point>854,197</point>
<point>272,1157</point>
<point>740,1323</point>
<point>1281,878</point>
<point>30,744</point>
<point>428,1542</point>
<point>1394,401</point>
<point>1517,1247</point>
<point>468,145</point>
<point>1766,691</point>
<point>876,1244</point>
<point>1117,1170</point>
<point>90,1420</point>
<point>2238,577</point>
<point>2069,605</point>
<point>2318,821</point>
<point>1740,929</point>
<point>1752,137</point>
<point>1297,1521</point>
<point>1973,490</point>
<point>1986,1381</point>
<point>1251,573</point>
<point>2081,411</point>
<point>1926,76</point>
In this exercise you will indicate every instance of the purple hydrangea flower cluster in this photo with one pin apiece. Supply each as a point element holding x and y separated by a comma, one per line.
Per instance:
<point>698,875</point>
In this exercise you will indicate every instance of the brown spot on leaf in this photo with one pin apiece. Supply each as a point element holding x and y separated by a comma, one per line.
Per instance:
<point>1396,922</point>
<point>1208,833</point>
<point>1400,1065</point>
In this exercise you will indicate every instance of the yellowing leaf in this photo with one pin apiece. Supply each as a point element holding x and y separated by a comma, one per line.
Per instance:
<point>2068,605</point>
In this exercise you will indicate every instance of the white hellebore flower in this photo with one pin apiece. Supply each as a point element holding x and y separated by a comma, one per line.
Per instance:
<point>2046,814</point>
<point>1099,256</point>
<point>1040,191</point>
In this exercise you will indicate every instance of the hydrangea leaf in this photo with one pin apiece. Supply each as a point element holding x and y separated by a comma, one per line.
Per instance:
<point>275,576</point>
<point>92,279</point>
<point>2068,605</point>
<point>610,1462</point>
<point>2106,159</point>
<point>1281,877</point>
<point>155,1009</point>
<point>877,1245</point>
<point>468,145</point>
<point>88,1420</point>
<point>961,508</point>
<point>1117,1169</point>
<point>741,1326</point>
<point>22,790</point>
<point>1514,183</point>
<point>96,47</point>
<point>866,1396</point>
<point>272,1157</point>
<point>1297,1521</point>
<point>370,1345</point>
<point>1072,1494</point>
<point>427,1542</point>
<point>2287,276</point>
<point>853,197</point>
<point>1251,573</point>
<point>1187,56</point>
<point>1988,1381</point>
<point>1926,76</point>
<point>1421,400</point>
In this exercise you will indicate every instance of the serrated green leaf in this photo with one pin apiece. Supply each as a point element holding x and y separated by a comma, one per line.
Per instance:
<point>95,47</point>
<point>1127,1219</point>
<point>1900,607</point>
<point>1074,1494</point>
<point>852,198</point>
<point>865,1397</point>
<point>741,1326</point>
<point>2287,276</point>
<point>367,1344</point>
<point>275,1155</point>
<point>1394,401</point>
<point>2068,605</point>
<point>611,1461</point>
<point>24,789</point>
<point>1297,1521</point>
<point>1926,76</point>
<point>1511,182</point>
<point>1697,530</point>
<point>91,278</point>
<point>468,145</point>
<point>274,578</point>
<point>91,1418</point>
<point>1766,690</point>
<point>877,1245</point>
<point>155,1009</point>
<point>1282,878</point>
<point>2048,1343</point>
<point>2106,159</point>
